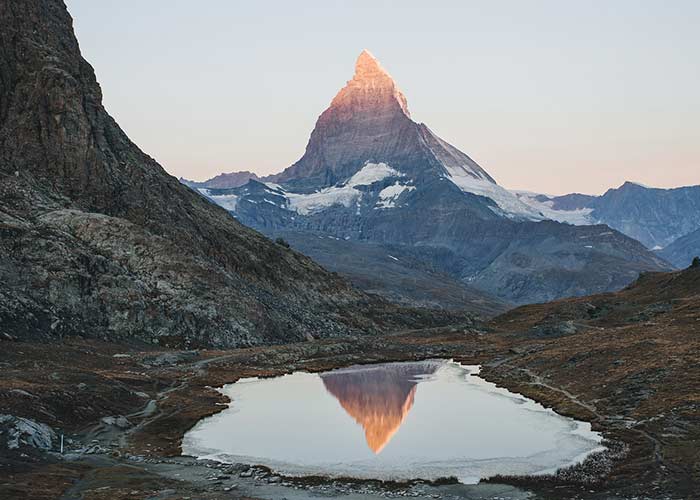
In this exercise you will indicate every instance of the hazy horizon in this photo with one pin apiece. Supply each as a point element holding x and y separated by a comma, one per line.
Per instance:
<point>547,97</point>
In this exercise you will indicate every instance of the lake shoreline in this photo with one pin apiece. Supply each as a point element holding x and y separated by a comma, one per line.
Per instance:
<point>185,394</point>
<point>393,422</point>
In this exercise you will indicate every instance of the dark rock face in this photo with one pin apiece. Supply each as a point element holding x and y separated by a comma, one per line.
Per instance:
<point>682,252</point>
<point>372,175</point>
<point>97,239</point>
<point>656,217</point>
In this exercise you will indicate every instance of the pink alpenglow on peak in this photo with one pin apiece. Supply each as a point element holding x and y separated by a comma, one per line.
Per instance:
<point>370,76</point>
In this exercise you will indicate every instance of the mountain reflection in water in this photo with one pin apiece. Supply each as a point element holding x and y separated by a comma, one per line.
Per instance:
<point>421,420</point>
<point>378,397</point>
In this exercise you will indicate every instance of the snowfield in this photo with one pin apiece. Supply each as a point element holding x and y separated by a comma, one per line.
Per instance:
<point>345,194</point>
<point>227,201</point>
<point>507,202</point>
<point>389,195</point>
<point>579,217</point>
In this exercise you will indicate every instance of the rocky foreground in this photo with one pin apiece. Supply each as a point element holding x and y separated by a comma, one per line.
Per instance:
<point>627,362</point>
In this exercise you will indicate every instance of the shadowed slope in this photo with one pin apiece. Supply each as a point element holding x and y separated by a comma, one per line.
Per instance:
<point>98,239</point>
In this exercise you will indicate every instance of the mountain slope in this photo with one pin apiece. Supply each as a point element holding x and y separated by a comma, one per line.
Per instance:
<point>682,251</point>
<point>391,272</point>
<point>370,174</point>
<point>654,216</point>
<point>97,239</point>
<point>630,357</point>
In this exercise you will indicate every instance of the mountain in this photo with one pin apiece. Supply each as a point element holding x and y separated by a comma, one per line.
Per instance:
<point>365,134</point>
<point>223,181</point>
<point>654,216</point>
<point>370,174</point>
<point>96,239</point>
<point>682,251</point>
<point>378,398</point>
<point>393,273</point>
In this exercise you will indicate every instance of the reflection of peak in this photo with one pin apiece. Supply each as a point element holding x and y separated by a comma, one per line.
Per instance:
<point>378,398</point>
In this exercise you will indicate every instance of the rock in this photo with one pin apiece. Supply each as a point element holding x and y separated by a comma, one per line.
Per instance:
<point>96,449</point>
<point>247,473</point>
<point>172,358</point>
<point>22,392</point>
<point>18,431</point>
<point>117,421</point>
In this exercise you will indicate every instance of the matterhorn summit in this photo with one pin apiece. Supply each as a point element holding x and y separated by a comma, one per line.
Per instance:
<point>368,122</point>
<point>375,188</point>
<point>370,77</point>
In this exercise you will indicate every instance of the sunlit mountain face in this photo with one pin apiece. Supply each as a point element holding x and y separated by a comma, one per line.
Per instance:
<point>374,180</point>
<point>378,399</point>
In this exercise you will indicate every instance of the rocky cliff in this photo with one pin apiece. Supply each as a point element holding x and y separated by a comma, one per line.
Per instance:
<point>97,239</point>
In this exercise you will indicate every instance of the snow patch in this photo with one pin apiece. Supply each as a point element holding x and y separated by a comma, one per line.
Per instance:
<point>371,173</point>
<point>389,195</point>
<point>276,188</point>
<point>507,202</point>
<point>306,204</point>
<point>578,217</point>
<point>345,194</point>
<point>227,201</point>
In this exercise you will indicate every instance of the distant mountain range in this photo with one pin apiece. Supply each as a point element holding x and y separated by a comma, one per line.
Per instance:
<point>655,217</point>
<point>372,175</point>
<point>223,181</point>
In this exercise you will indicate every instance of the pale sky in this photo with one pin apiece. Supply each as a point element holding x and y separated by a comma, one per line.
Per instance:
<point>548,96</point>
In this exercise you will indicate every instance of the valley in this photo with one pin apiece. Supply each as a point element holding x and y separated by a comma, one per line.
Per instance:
<point>645,406</point>
<point>129,298</point>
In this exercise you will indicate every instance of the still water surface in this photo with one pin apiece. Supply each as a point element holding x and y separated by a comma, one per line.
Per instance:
<point>412,420</point>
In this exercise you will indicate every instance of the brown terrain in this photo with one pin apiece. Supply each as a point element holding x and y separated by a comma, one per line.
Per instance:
<point>626,361</point>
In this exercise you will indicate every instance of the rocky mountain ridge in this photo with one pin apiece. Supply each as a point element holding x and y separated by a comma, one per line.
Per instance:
<point>223,180</point>
<point>654,216</point>
<point>98,240</point>
<point>371,174</point>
